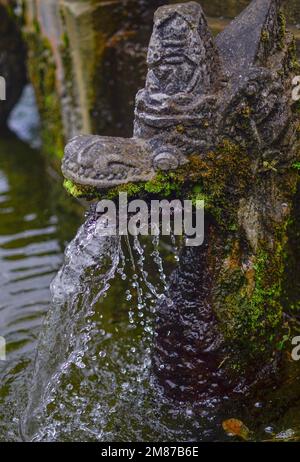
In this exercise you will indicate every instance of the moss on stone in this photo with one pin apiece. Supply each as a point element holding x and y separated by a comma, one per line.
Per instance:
<point>75,190</point>
<point>282,30</point>
<point>42,71</point>
<point>293,58</point>
<point>248,300</point>
<point>291,285</point>
<point>213,177</point>
<point>265,36</point>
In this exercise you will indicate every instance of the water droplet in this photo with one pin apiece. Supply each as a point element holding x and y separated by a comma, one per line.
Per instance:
<point>269,430</point>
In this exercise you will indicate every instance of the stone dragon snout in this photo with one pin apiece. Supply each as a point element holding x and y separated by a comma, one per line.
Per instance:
<point>104,162</point>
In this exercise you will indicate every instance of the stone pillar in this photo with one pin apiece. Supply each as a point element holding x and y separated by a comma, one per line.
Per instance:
<point>12,62</point>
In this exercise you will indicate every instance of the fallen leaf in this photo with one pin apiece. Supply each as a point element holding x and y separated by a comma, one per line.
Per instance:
<point>235,427</point>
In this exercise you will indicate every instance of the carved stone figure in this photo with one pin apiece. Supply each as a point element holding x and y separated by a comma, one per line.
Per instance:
<point>221,111</point>
<point>198,91</point>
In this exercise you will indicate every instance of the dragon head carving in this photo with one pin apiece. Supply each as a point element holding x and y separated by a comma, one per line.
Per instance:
<point>199,90</point>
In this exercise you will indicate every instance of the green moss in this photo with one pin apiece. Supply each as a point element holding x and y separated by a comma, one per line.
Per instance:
<point>213,178</point>
<point>36,26</point>
<point>75,190</point>
<point>293,58</point>
<point>132,190</point>
<point>265,307</point>
<point>282,30</point>
<point>248,295</point>
<point>249,305</point>
<point>265,36</point>
<point>198,195</point>
<point>291,284</point>
<point>42,71</point>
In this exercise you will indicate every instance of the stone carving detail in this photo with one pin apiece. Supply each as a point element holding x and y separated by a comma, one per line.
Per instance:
<point>199,90</point>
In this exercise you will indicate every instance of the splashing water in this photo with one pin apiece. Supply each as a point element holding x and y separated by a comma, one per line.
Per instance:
<point>90,261</point>
<point>92,377</point>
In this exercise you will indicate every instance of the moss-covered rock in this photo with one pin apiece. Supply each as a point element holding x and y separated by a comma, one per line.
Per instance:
<point>42,73</point>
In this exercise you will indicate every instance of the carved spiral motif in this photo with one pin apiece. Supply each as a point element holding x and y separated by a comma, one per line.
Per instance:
<point>165,161</point>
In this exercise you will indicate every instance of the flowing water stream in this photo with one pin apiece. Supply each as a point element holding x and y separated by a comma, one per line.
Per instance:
<point>92,376</point>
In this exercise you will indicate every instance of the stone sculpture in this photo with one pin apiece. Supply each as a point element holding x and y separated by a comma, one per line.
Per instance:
<point>198,91</point>
<point>218,112</point>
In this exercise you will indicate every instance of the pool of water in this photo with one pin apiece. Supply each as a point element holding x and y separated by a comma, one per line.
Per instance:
<point>36,221</point>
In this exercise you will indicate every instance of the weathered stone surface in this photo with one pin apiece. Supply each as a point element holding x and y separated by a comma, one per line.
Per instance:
<point>181,87</point>
<point>12,63</point>
<point>183,61</point>
<point>107,170</point>
<point>183,81</point>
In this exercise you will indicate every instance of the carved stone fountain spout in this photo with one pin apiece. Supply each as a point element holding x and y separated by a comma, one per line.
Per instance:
<point>219,111</point>
<point>182,92</point>
<point>198,91</point>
